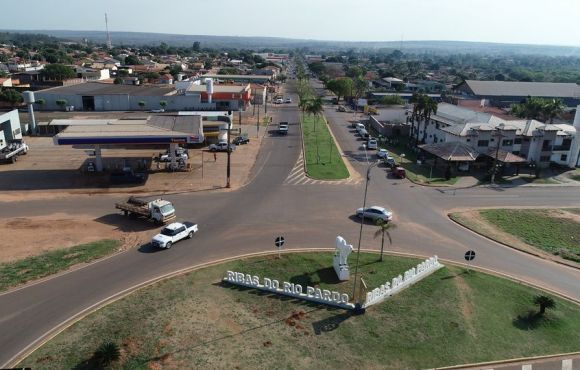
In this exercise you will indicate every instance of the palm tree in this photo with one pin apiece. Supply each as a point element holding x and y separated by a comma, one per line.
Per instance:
<point>383,228</point>
<point>544,302</point>
<point>552,109</point>
<point>303,103</point>
<point>315,108</point>
<point>107,353</point>
<point>163,103</point>
<point>141,104</point>
<point>430,107</point>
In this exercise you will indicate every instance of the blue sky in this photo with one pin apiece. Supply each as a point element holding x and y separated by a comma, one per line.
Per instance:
<point>510,21</point>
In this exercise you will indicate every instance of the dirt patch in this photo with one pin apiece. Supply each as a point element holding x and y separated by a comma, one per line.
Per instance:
<point>465,303</point>
<point>29,236</point>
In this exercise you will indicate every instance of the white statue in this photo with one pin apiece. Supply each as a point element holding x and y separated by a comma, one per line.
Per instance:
<point>343,250</point>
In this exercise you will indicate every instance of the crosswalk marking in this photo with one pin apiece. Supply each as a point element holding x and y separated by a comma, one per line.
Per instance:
<point>298,177</point>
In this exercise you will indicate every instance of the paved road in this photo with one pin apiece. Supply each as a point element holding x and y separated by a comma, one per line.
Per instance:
<point>248,220</point>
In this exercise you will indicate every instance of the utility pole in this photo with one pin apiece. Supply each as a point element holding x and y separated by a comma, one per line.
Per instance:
<point>228,170</point>
<point>499,136</point>
<point>258,125</point>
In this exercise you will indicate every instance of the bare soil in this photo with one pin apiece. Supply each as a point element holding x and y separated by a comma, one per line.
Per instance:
<point>30,236</point>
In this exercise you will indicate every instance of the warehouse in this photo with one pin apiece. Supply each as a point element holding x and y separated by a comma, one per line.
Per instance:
<point>96,96</point>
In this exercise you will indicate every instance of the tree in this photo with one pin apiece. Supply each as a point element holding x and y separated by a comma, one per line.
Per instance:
<point>392,100</point>
<point>303,103</point>
<point>132,60</point>
<point>340,87</point>
<point>40,103</point>
<point>360,87</point>
<point>123,72</point>
<point>196,46</point>
<point>61,103</point>
<point>552,109</point>
<point>544,302</point>
<point>58,72</point>
<point>11,96</point>
<point>118,81</point>
<point>315,108</point>
<point>383,228</point>
<point>163,103</point>
<point>141,104</point>
<point>107,353</point>
<point>530,108</point>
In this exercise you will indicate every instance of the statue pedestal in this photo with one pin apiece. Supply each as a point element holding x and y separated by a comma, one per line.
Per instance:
<point>342,271</point>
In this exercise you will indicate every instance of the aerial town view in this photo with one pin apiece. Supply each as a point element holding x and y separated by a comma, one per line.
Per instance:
<point>304,185</point>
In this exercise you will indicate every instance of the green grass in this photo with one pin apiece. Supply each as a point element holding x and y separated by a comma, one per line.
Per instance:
<point>19,272</point>
<point>194,321</point>
<point>576,175</point>
<point>555,235</point>
<point>328,165</point>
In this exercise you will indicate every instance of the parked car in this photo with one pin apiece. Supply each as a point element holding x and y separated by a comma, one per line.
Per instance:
<point>375,213</point>
<point>288,100</point>
<point>359,126</point>
<point>399,172</point>
<point>173,233</point>
<point>341,108</point>
<point>181,154</point>
<point>157,110</point>
<point>240,140</point>
<point>382,153</point>
<point>279,101</point>
<point>372,144</point>
<point>364,133</point>
<point>390,161</point>
<point>222,146</point>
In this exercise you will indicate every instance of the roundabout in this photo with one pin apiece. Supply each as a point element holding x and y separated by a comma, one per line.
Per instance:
<point>198,320</point>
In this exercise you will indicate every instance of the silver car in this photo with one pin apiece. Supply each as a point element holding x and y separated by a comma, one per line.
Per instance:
<point>375,213</point>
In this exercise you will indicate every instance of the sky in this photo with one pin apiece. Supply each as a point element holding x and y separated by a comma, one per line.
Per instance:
<point>549,22</point>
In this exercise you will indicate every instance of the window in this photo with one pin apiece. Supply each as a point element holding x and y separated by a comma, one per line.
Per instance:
<point>482,143</point>
<point>526,140</point>
<point>468,140</point>
<point>492,140</point>
<point>518,141</point>
<point>437,125</point>
<point>507,142</point>
<point>564,157</point>
<point>546,145</point>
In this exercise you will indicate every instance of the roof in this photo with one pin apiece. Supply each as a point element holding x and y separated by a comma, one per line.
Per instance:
<point>98,88</point>
<point>452,151</point>
<point>237,77</point>
<point>393,79</point>
<point>507,88</point>
<point>234,89</point>
<point>504,156</point>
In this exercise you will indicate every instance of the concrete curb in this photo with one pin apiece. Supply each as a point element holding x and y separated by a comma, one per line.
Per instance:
<point>531,253</point>
<point>115,297</point>
<point>510,361</point>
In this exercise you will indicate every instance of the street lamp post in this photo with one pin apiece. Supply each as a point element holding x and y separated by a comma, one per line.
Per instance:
<point>358,308</point>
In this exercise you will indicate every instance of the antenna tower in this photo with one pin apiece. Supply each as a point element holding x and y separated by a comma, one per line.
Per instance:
<point>109,43</point>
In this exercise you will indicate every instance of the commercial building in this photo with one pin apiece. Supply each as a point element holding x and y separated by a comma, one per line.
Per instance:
<point>95,96</point>
<point>504,93</point>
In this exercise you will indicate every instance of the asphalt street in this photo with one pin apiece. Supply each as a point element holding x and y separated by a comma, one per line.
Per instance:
<point>249,219</point>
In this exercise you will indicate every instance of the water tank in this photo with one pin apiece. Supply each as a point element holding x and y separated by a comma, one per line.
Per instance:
<point>209,85</point>
<point>28,97</point>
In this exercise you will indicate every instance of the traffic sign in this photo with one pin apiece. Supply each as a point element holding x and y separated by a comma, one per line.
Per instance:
<point>279,242</point>
<point>469,255</point>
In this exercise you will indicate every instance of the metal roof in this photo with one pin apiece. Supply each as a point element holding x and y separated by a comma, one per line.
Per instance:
<point>506,88</point>
<point>99,88</point>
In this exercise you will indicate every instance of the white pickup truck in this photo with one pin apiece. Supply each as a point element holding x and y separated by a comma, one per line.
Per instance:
<point>173,233</point>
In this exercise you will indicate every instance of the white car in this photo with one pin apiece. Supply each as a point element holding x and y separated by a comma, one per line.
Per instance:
<point>279,101</point>
<point>222,146</point>
<point>372,144</point>
<point>173,233</point>
<point>288,101</point>
<point>179,157</point>
<point>375,213</point>
<point>382,153</point>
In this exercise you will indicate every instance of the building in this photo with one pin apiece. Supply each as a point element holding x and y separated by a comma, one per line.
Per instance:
<point>504,93</point>
<point>532,140</point>
<point>239,78</point>
<point>97,96</point>
<point>92,74</point>
<point>272,57</point>
<point>225,97</point>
